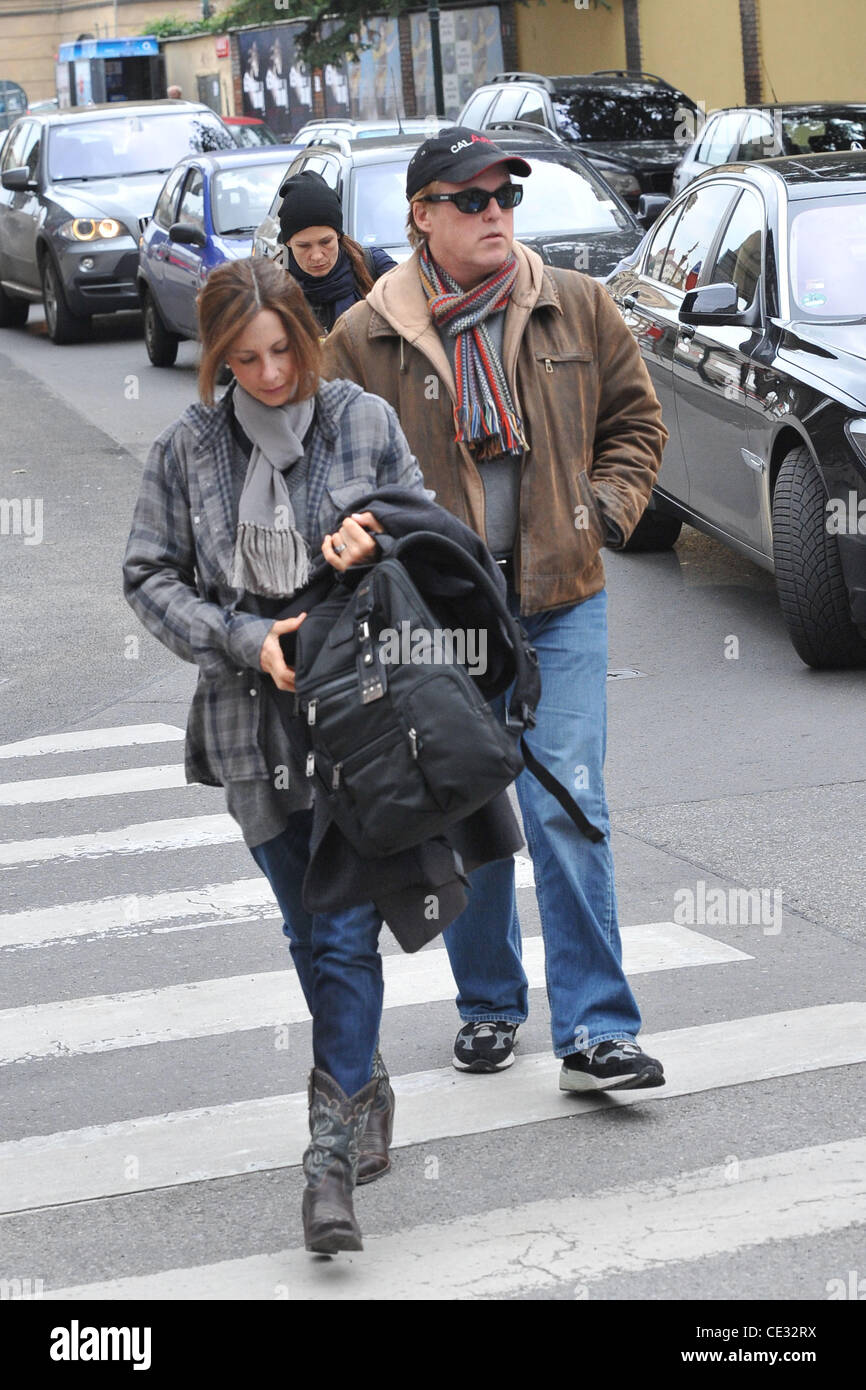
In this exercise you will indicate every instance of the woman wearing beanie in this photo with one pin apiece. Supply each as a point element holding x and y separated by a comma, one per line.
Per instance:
<point>332,269</point>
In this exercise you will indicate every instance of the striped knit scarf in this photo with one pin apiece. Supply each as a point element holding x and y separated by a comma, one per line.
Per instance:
<point>485,416</point>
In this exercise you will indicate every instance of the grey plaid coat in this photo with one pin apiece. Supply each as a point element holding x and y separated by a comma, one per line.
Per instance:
<point>178,558</point>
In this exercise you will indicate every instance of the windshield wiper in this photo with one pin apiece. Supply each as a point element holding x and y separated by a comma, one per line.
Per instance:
<point>237,231</point>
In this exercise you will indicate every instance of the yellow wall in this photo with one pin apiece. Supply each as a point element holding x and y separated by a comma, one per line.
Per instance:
<point>696,47</point>
<point>187,59</point>
<point>814,52</point>
<point>556,38</point>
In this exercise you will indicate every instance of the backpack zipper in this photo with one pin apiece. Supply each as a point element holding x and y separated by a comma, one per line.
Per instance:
<point>413,743</point>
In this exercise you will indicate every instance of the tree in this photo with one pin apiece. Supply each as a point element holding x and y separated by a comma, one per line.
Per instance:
<point>331,28</point>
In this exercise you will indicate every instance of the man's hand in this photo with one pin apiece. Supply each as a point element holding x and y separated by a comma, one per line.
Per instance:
<point>271,657</point>
<point>352,544</point>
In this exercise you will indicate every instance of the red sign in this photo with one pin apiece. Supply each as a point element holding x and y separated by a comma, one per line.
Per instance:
<point>222,48</point>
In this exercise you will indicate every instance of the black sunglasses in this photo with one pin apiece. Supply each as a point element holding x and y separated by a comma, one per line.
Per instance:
<point>477,199</point>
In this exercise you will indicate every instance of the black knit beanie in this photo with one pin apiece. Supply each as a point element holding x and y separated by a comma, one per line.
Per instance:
<point>308,202</point>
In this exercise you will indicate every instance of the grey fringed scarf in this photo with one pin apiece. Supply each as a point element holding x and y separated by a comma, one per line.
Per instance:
<point>271,556</point>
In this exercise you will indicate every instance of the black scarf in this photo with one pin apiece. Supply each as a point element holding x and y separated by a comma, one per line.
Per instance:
<point>328,295</point>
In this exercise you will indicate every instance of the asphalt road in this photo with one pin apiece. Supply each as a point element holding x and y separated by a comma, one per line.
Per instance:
<point>724,773</point>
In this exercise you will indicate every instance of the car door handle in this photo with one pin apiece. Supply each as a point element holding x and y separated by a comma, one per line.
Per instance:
<point>687,330</point>
<point>629,302</point>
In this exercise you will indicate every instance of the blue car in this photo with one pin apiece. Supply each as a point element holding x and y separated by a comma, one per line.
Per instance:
<point>207,212</point>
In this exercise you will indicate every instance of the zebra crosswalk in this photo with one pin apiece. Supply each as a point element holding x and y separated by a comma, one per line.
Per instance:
<point>79,1011</point>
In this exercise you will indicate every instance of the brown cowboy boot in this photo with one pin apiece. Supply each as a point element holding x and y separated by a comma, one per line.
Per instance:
<point>337,1124</point>
<point>375,1159</point>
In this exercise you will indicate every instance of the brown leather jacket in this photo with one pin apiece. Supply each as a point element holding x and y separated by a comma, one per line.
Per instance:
<point>589,410</point>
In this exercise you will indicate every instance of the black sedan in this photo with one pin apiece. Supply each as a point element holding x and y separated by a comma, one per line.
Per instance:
<point>748,301</point>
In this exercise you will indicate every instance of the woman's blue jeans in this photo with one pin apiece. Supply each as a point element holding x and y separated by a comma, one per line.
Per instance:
<point>590,998</point>
<point>336,956</point>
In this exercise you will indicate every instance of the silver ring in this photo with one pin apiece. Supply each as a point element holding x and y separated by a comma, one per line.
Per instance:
<point>338,549</point>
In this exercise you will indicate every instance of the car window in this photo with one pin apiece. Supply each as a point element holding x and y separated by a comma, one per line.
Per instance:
<point>532,109</point>
<point>723,144</point>
<point>738,260</point>
<point>133,144</point>
<point>813,133</point>
<point>693,235</point>
<point>192,201</point>
<point>29,155</point>
<point>760,138</point>
<point>612,113</point>
<point>320,164</point>
<point>378,204</point>
<point>701,155</point>
<point>15,145</point>
<point>240,196</point>
<point>828,258</point>
<point>163,213</point>
<point>561,198</point>
<point>507,104</point>
<point>658,246</point>
<point>475,109</point>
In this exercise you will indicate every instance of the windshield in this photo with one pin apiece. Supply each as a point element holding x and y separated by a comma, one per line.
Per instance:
<point>140,144</point>
<point>609,113</point>
<point>379,204</point>
<point>560,198</point>
<point>241,197</point>
<point>828,258</point>
<point>823,134</point>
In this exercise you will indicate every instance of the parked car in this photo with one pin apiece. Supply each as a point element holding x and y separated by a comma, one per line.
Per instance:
<point>748,301</point>
<point>206,213</point>
<point>328,128</point>
<point>570,216</point>
<point>626,123</point>
<point>738,133</point>
<point>78,187</point>
<point>249,132</point>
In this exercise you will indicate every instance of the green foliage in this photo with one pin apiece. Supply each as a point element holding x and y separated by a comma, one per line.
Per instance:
<point>345,18</point>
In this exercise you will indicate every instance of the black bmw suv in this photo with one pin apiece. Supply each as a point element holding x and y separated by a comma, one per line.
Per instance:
<point>630,125</point>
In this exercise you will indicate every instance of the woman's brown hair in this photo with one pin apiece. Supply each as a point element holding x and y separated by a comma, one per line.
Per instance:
<point>363,278</point>
<point>232,296</point>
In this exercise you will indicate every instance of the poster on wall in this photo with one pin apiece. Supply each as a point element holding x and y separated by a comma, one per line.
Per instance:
<point>471,54</point>
<point>276,86</point>
<point>375,80</point>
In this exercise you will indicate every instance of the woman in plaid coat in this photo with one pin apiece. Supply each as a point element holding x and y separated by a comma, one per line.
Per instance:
<point>235,498</point>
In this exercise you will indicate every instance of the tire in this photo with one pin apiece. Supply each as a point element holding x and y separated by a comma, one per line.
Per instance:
<point>13,312</point>
<point>161,345</point>
<point>63,326</point>
<point>656,530</point>
<point>809,580</point>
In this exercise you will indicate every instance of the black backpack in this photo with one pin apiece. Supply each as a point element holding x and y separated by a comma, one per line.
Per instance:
<point>402,749</point>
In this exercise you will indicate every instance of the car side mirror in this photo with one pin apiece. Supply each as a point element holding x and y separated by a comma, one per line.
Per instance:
<point>718,304</point>
<point>186,234</point>
<point>650,208</point>
<point>18,180</point>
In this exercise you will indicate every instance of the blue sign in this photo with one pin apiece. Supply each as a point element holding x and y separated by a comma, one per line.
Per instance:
<point>147,46</point>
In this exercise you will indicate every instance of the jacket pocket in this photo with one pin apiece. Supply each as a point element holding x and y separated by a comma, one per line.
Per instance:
<point>551,361</point>
<point>339,501</point>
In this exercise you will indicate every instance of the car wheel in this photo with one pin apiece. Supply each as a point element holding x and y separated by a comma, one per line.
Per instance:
<point>809,579</point>
<point>656,530</point>
<point>13,312</point>
<point>63,326</point>
<point>161,345</point>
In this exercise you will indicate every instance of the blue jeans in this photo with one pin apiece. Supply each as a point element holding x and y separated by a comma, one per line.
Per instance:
<point>337,959</point>
<point>590,999</point>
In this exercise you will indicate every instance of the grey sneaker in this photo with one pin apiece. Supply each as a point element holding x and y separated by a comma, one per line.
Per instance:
<point>610,1066</point>
<point>485,1046</point>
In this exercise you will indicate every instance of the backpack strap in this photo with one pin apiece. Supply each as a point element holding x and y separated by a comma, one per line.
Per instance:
<point>526,691</point>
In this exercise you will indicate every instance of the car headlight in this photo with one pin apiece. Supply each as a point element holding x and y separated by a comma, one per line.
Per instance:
<point>93,229</point>
<point>626,185</point>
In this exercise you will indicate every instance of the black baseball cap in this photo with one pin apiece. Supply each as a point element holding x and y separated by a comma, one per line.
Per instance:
<point>455,155</point>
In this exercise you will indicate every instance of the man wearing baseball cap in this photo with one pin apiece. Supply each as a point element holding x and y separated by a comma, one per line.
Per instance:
<point>525,398</point>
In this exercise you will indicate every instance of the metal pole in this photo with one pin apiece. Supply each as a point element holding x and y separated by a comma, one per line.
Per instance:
<point>436,49</point>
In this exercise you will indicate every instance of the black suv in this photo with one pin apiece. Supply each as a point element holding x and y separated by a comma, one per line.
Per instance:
<point>78,188</point>
<point>628,124</point>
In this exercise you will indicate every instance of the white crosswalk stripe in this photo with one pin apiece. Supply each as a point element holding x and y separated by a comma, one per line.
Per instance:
<point>542,1245</point>
<point>532,1247</point>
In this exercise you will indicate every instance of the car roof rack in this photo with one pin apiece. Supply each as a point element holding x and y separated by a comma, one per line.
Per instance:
<point>527,127</point>
<point>330,140</point>
<point>523,77</point>
<point>631,72</point>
